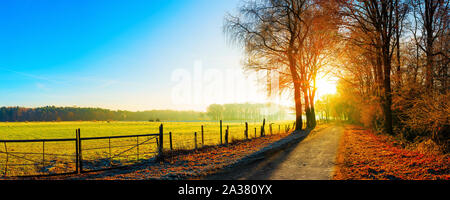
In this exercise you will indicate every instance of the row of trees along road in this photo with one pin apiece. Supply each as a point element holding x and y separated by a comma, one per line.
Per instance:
<point>391,57</point>
<point>293,38</point>
<point>395,64</point>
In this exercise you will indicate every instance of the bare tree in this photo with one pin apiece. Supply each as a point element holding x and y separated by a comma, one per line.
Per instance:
<point>319,47</point>
<point>271,32</point>
<point>376,20</point>
<point>401,11</point>
<point>291,37</point>
<point>431,18</point>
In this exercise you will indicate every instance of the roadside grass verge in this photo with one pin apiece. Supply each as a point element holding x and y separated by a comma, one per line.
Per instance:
<point>184,164</point>
<point>37,158</point>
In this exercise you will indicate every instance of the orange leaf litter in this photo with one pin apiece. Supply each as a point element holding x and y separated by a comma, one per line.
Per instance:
<point>364,155</point>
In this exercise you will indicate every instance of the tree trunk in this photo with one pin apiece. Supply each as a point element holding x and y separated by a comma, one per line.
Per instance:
<point>428,25</point>
<point>313,116</point>
<point>378,74</point>
<point>307,108</point>
<point>298,108</point>
<point>397,35</point>
<point>297,93</point>
<point>312,110</point>
<point>387,99</point>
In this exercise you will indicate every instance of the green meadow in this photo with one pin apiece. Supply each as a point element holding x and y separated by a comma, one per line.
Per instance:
<point>58,157</point>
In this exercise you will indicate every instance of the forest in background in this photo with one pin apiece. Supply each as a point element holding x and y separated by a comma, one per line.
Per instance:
<point>250,112</point>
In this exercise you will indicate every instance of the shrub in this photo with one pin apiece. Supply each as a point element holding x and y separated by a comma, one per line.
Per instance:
<point>370,115</point>
<point>427,114</point>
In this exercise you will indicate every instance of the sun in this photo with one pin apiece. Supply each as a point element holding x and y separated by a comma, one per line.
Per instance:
<point>325,85</point>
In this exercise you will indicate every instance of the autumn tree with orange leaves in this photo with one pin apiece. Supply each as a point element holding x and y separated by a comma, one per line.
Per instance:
<point>395,66</point>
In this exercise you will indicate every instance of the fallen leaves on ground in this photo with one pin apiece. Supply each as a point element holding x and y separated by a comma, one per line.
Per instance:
<point>364,155</point>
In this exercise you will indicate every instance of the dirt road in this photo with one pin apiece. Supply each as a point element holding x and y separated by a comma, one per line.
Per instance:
<point>313,158</point>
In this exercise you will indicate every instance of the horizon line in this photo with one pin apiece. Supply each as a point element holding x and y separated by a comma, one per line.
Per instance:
<point>75,106</point>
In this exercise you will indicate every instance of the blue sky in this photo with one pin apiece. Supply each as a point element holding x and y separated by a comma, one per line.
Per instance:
<point>117,54</point>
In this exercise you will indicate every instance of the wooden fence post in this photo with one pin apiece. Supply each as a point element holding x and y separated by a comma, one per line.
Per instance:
<point>221,132</point>
<point>226,135</point>
<point>279,129</point>
<point>262,128</point>
<point>270,129</point>
<point>43,153</point>
<point>195,140</point>
<point>170,140</point>
<point>160,145</point>
<point>137,148</point>
<point>203,139</point>
<point>246,131</point>
<point>6,159</point>
<point>77,155</point>
<point>109,150</point>
<point>80,154</point>
<point>255,132</point>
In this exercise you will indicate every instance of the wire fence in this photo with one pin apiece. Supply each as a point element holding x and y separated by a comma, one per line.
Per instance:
<point>216,134</point>
<point>43,157</point>
<point>73,155</point>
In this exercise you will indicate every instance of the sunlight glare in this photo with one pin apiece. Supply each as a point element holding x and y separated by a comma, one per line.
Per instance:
<point>325,85</point>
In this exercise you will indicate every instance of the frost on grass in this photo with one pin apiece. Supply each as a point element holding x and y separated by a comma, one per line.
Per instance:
<point>190,165</point>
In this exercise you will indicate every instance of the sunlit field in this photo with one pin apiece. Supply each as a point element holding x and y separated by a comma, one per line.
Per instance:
<point>59,157</point>
<point>87,88</point>
<point>181,131</point>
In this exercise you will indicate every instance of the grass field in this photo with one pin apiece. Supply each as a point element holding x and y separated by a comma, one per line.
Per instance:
<point>58,157</point>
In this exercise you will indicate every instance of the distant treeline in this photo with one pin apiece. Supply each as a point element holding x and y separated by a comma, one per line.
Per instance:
<point>247,111</point>
<point>225,112</point>
<point>51,113</point>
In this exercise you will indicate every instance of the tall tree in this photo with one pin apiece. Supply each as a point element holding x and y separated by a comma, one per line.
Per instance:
<point>272,31</point>
<point>319,47</point>
<point>376,20</point>
<point>433,18</point>
<point>401,11</point>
